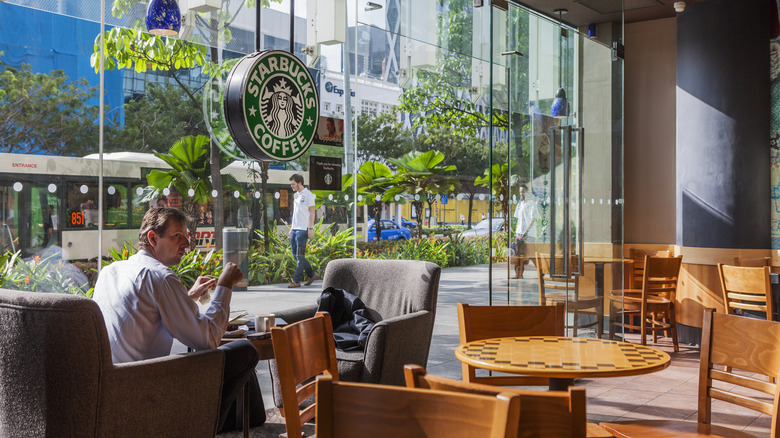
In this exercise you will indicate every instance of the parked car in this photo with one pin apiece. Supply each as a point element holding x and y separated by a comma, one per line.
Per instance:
<point>483,227</point>
<point>390,230</point>
<point>408,224</point>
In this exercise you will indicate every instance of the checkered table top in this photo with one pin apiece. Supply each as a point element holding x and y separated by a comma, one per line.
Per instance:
<point>563,357</point>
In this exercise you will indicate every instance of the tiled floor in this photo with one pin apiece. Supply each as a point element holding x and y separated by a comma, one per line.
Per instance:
<point>667,394</point>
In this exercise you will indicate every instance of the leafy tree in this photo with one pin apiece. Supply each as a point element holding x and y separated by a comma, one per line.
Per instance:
<point>155,118</point>
<point>470,154</point>
<point>46,113</point>
<point>381,137</point>
<point>190,170</point>
<point>374,181</point>
<point>421,174</point>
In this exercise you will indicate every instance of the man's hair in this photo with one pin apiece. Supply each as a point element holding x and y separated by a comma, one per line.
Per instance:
<point>297,178</point>
<point>158,219</point>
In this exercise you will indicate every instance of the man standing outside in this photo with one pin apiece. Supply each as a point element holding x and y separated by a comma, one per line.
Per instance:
<point>145,306</point>
<point>526,214</point>
<point>301,230</point>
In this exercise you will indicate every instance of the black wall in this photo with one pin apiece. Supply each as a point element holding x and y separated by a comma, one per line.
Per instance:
<point>723,104</point>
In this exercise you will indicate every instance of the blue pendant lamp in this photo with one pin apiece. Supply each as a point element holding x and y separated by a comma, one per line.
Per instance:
<point>560,106</point>
<point>163,17</point>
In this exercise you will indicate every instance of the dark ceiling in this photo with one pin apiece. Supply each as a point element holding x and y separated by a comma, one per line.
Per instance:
<point>584,12</point>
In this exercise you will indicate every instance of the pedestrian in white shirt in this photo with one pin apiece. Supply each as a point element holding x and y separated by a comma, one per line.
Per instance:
<point>301,230</point>
<point>526,213</point>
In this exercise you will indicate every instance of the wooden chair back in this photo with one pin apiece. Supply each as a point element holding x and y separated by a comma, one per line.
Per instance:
<point>357,410</point>
<point>661,276</point>
<point>638,255</point>
<point>728,341</point>
<point>484,322</point>
<point>542,413</point>
<point>303,350</point>
<point>753,262</point>
<point>734,341</point>
<point>746,288</point>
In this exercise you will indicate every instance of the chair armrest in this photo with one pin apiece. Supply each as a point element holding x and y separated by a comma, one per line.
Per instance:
<point>176,395</point>
<point>297,313</point>
<point>395,342</point>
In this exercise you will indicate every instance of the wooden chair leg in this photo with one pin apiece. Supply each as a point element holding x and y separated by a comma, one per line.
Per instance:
<point>673,323</point>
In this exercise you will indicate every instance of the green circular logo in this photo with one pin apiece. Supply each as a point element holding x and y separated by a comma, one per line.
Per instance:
<point>280,105</point>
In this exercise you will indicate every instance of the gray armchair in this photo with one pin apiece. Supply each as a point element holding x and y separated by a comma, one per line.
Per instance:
<point>57,378</point>
<point>400,296</point>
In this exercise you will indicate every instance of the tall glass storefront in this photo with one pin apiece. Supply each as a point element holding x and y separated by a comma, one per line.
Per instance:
<point>442,118</point>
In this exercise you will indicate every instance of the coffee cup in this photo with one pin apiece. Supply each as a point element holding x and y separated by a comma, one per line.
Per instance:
<point>264,322</point>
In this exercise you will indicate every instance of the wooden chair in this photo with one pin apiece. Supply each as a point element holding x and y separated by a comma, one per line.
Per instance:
<point>484,322</point>
<point>753,263</point>
<point>359,410</point>
<point>303,350</point>
<point>746,288</point>
<point>730,341</point>
<point>638,271</point>
<point>655,305</point>
<point>569,294</point>
<point>542,414</point>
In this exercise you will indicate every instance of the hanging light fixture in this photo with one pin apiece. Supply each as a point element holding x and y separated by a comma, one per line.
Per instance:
<point>560,105</point>
<point>163,17</point>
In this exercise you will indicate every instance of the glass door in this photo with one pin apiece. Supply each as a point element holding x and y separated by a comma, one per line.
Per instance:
<point>564,101</point>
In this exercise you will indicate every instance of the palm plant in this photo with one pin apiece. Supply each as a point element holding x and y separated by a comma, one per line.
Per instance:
<point>374,180</point>
<point>190,176</point>
<point>498,180</point>
<point>420,175</point>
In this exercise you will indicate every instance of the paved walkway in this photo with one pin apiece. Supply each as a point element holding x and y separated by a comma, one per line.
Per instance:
<point>671,393</point>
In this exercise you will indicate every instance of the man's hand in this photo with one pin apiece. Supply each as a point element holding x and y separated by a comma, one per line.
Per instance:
<point>201,287</point>
<point>311,233</point>
<point>231,275</point>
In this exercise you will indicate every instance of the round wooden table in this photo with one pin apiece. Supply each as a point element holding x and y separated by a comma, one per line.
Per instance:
<point>562,359</point>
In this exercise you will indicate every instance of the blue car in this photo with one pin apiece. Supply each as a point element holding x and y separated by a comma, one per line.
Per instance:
<point>390,230</point>
<point>408,224</point>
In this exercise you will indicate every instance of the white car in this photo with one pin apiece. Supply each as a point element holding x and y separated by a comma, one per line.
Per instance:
<point>483,227</point>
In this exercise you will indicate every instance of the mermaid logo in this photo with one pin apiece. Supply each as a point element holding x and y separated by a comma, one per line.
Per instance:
<point>278,104</point>
<point>282,108</point>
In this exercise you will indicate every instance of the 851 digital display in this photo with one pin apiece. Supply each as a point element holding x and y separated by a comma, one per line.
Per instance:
<point>75,218</point>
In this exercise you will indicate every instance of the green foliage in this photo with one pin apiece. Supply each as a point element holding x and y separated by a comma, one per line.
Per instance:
<point>278,264</point>
<point>43,275</point>
<point>133,49</point>
<point>421,175</point>
<point>198,263</point>
<point>46,113</point>
<point>374,181</point>
<point>381,137</point>
<point>497,178</point>
<point>152,121</point>
<point>123,253</point>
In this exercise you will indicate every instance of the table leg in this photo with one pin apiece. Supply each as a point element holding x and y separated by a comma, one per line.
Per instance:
<point>560,384</point>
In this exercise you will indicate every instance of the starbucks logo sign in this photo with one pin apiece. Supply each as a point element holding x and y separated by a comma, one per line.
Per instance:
<point>271,106</point>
